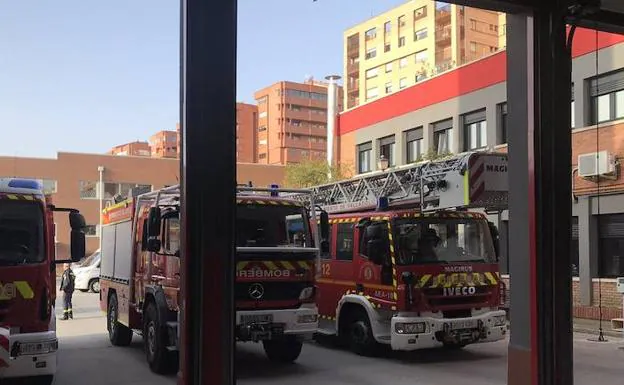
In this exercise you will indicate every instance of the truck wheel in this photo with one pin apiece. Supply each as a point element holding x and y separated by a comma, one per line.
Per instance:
<point>119,335</point>
<point>285,350</point>
<point>155,336</point>
<point>94,285</point>
<point>42,380</point>
<point>361,339</point>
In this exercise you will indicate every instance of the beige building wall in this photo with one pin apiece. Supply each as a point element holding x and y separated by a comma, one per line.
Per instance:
<point>410,43</point>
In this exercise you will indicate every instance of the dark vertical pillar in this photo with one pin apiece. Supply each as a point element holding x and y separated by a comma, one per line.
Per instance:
<point>540,151</point>
<point>208,180</point>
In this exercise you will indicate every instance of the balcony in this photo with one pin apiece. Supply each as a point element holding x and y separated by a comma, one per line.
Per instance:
<point>443,36</point>
<point>353,51</point>
<point>353,68</point>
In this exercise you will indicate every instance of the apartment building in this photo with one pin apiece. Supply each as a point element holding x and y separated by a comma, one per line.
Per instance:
<point>465,109</point>
<point>164,144</point>
<point>411,43</point>
<point>292,122</point>
<point>138,148</point>
<point>246,132</point>
<point>73,181</point>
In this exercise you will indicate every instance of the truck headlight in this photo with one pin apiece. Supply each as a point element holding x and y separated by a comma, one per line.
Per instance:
<point>410,327</point>
<point>307,318</point>
<point>307,293</point>
<point>34,348</point>
<point>499,320</point>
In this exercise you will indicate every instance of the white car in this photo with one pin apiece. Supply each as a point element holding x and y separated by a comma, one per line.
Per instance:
<point>87,273</point>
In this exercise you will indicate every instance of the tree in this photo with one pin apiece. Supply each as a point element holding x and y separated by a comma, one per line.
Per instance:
<point>313,173</point>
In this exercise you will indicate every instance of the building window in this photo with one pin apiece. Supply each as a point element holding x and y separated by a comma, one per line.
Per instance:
<point>420,77</point>
<point>420,34</point>
<point>262,128</point>
<point>611,244</point>
<point>91,230</point>
<point>372,93</point>
<point>442,136</point>
<point>371,53</point>
<point>607,96</point>
<point>502,123</point>
<point>262,156</point>
<point>401,41</point>
<point>371,73</point>
<point>387,47</point>
<point>387,149</point>
<point>422,56</point>
<point>388,67</point>
<point>475,130</point>
<point>364,157</point>
<point>344,242</point>
<point>389,87</point>
<point>371,34</point>
<point>414,145</point>
<point>402,83</point>
<point>387,27</point>
<point>402,21</point>
<point>574,247</point>
<point>263,114</point>
<point>403,62</point>
<point>88,190</point>
<point>420,13</point>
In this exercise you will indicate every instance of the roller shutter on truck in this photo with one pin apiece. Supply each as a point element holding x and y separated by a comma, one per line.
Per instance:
<point>117,251</point>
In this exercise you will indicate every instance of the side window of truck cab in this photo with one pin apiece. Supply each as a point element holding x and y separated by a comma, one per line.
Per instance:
<point>344,241</point>
<point>171,235</point>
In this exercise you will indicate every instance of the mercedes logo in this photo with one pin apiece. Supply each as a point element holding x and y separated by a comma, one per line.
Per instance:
<point>256,291</point>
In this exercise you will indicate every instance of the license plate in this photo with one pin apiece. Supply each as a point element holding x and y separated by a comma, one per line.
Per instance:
<point>464,324</point>
<point>256,318</point>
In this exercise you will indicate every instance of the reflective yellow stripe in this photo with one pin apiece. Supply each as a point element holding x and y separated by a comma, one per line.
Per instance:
<point>270,265</point>
<point>491,278</point>
<point>24,289</point>
<point>287,265</point>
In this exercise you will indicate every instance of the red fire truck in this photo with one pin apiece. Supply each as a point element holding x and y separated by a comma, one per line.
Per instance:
<point>409,266</point>
<point>28,342</point>
<point>276,267</point>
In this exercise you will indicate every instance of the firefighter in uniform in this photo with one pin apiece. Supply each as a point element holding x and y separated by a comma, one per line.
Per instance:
<point>67,287</point>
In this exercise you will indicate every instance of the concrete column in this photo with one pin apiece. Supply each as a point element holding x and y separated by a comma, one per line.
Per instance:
<point>399,149</point>
<point>579,104</point>
<point>374,154</point>
<point>457,133</point>
<point>427,137</point>
<point>493,131</point>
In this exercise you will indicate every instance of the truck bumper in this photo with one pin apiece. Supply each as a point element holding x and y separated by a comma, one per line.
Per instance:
<point>29,354</point>
<point>413,333</point>
<point>259,325</point>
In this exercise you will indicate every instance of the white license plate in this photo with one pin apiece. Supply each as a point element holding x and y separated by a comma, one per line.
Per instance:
<point>256,318</point>
<point>464,324</point>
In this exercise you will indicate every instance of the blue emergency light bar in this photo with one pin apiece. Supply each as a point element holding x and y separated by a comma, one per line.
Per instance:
<point>25,183</point>
<point>274,187</point>
<point>382,203</point>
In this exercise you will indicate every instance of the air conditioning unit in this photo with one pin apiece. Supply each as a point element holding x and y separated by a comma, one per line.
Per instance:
<point>595,164</point>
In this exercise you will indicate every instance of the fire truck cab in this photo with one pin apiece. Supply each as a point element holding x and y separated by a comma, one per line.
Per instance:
<point>28,341</point>
<point>409,266</point>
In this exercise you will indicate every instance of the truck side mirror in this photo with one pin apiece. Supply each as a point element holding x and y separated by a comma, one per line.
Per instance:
<point>78,245</point>
<point>153,222</point>
<point>76,221</point>
<point>324,225</point>
<point>153,245</point>
<point>495,239</point>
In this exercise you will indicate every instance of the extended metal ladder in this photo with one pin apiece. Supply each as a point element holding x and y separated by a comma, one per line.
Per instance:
<point>414,184</point>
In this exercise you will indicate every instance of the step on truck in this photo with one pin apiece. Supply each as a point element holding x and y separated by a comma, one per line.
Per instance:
<point>28,341</point>
<point>277,253</point>
<point>414,259</point>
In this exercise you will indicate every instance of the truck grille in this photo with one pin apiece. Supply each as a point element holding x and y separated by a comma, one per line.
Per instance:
<point>436,299</point>
<point>273,291</point>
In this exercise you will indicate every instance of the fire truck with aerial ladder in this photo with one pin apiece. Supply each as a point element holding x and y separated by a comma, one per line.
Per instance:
<point>410,266</point>
<point>28,341</point>
<point>278,246</point>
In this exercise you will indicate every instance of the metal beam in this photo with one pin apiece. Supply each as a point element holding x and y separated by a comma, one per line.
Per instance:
<point>540,150</point>
<point>208,182</point>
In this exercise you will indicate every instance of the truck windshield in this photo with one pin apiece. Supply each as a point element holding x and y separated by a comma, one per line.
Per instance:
<point>21,233</point>
<point>272,226</point>
<point>441,240</point>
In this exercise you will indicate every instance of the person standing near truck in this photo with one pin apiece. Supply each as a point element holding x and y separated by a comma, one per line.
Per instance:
<point>67,287</point>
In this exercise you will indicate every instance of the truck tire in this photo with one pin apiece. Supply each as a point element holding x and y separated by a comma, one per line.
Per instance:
<point>42,380</point>
<point>285,350</point>
<point>360,334</point>
<point>94,285</point>
<point>160,360</point>
<point>119,334</point>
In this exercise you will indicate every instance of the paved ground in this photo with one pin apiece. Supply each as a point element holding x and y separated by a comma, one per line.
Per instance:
<point>87,357</point>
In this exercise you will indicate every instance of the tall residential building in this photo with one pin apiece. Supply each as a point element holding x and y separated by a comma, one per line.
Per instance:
<point>292,121</point>
<point>164,144</point>
<point>246,132</point>
<point>137,148</point>
<point>413,42</point>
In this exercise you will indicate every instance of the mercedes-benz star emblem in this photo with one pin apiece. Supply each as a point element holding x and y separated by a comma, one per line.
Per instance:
<point>256,291</point>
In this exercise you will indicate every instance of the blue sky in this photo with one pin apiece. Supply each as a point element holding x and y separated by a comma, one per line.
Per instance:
<point>83,76</point>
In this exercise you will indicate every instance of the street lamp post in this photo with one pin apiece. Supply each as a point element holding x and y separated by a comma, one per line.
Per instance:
<point>100,191</point>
